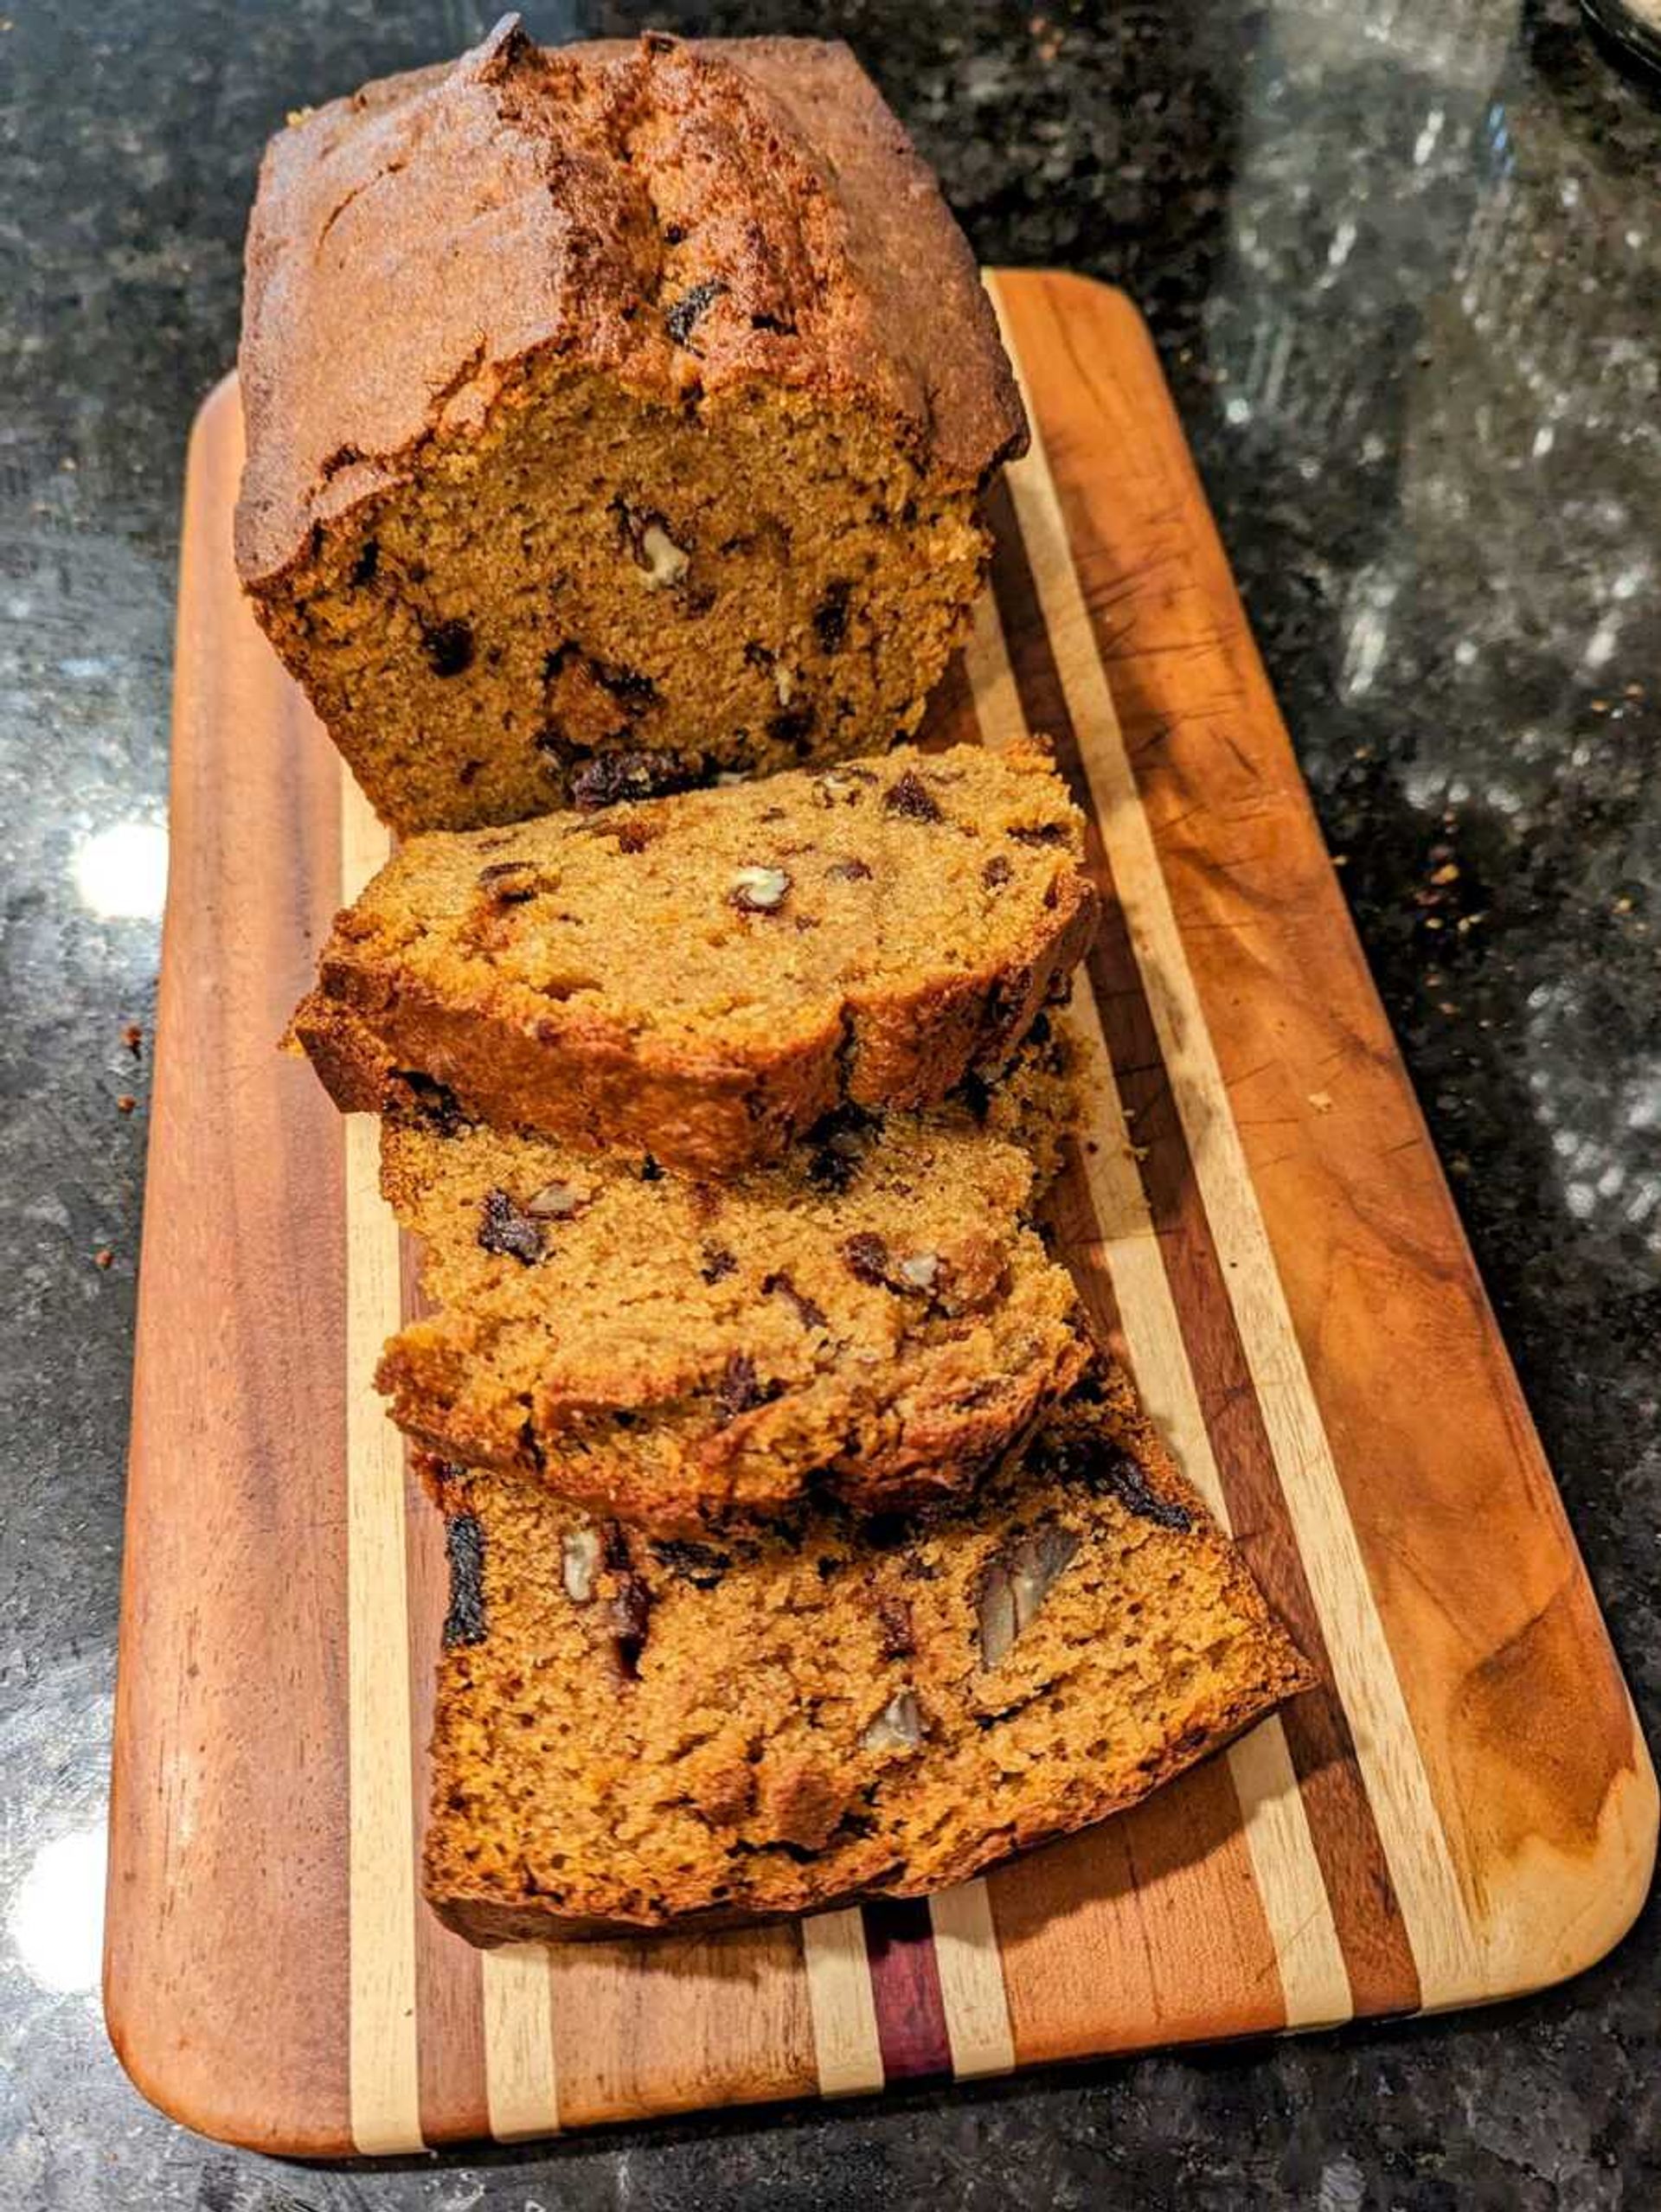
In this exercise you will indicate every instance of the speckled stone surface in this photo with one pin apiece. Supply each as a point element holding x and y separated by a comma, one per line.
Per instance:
<point>1402,261</point>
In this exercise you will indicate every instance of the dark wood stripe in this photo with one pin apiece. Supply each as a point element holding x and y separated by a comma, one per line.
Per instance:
<point>906,1989</point>
<point>1377,1957</point>
<point>949,718</point>
<point>1070,1219</point>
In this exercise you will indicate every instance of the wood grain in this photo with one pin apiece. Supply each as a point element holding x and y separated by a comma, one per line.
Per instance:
<point>226,1929</point>
<point>846,2048</point>
<point>522,2082</point>
<point>973,1999</point>
<point>721,2019</point>
<point>1256,1218</point>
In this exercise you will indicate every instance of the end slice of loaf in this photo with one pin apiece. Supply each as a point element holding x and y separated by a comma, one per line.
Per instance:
<point>873,1316</point>
<point>617,414</point>
<point>704,977</point>
<point>634,1735</point>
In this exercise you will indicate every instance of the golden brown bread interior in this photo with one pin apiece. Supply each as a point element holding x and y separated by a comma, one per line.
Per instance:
<point>873,1316</point>
<point>617,414</point>
<point>702,977</point>
<point>631,1735</point>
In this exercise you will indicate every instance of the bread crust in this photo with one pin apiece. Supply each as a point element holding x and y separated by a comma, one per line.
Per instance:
<point>464,222</point>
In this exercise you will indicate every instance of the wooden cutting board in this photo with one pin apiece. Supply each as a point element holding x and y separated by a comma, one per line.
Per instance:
<point>1465,1811</point>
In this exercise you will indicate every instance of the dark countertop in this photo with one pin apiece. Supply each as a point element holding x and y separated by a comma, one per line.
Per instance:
<point>1405,280</point>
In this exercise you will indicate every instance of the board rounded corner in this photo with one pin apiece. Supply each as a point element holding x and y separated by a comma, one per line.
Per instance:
<point>1609,1888</point>
<point>207,2103</point>
<point>222,397</point>
<point>1071,287</point>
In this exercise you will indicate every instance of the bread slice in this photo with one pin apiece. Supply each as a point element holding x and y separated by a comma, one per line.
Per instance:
<point>873,1316</point>
<point>704,977</point>
<point>617,414</point>
<point>634,1734</point>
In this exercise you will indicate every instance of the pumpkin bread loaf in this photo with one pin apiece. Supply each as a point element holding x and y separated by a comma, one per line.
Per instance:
<point>634,1734</point>
<point>704,977</point>
<point>872,1317</point>
<point>617,414</point>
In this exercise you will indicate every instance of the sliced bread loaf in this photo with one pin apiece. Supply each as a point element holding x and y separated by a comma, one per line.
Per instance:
<point>634,1734</point>
<point>873,1315</point>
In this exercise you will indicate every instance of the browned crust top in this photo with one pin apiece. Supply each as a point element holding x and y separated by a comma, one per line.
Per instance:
<point>415,246</point>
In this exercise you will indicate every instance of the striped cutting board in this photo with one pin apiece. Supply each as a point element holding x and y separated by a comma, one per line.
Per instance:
<point>1465,1810</point>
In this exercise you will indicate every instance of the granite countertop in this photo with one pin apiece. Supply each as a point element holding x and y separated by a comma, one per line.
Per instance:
<point>1403,263</point>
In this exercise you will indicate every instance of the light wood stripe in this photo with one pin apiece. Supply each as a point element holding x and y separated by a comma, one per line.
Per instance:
<point>995,696</point>
<point>998,712</point>
<point>1314,1983</point>
<point>385,2080</point>
<point>1387,1749</point>
<point>522,2090</point>
<point>971,1971</point>
<point>519,2079</point>
<point>845,2047</point>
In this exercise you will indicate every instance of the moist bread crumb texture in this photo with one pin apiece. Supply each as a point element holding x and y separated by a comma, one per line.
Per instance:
<point>631,1731</point>
<point>874,1317</point>
<point>704,977</point>
<point>617,415</point>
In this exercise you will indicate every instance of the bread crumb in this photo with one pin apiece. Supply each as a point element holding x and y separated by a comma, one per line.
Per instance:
<point>1321,1100</point>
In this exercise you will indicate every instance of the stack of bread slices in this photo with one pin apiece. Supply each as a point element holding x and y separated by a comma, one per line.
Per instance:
<point>804,1544</point>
